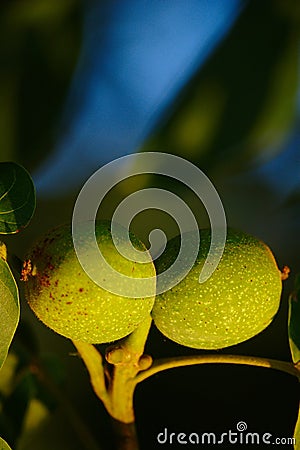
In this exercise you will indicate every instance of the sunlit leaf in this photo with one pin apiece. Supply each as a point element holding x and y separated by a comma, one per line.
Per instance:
<point>17,197</point>
<point>294,322</point>
<point>9,309</point>
<point>297,433</point>
<point>4,445</point>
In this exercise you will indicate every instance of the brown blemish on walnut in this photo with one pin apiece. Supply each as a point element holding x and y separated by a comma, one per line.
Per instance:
<point>44,280</point>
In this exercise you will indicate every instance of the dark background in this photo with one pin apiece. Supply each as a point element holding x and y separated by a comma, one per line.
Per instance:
<point>217,83</point>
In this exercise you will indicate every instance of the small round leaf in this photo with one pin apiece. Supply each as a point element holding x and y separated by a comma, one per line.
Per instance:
<point>17,197</point>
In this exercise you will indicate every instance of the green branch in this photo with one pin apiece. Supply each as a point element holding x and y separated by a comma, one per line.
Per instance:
<point>126,358</point>
<point>93,362</point>
<point>181,361</point>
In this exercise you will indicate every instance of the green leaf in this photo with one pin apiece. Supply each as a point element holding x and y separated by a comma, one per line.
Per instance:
<point>17,197</point>
<point>9,308</point>
<point>297,433</point>
<point>4,445</point>
<point>294,322</point>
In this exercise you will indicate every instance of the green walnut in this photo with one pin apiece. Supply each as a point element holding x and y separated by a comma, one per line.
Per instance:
<point>69,302</point>
<point>237,302</point>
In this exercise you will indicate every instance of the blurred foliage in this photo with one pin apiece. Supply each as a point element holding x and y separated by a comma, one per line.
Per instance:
<point>242,103</point>
<point>238,109</point>
<point>32,398</point>
<point>39,47</point>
